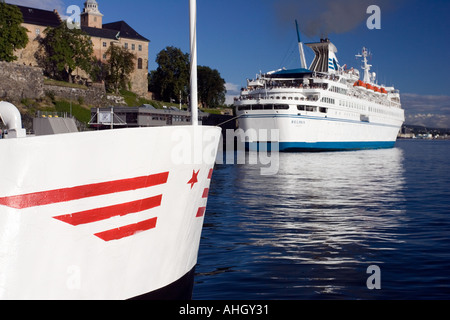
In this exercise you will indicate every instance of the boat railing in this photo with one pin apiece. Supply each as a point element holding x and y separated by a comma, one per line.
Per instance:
<point>385,103</point>
<point>271,84</point>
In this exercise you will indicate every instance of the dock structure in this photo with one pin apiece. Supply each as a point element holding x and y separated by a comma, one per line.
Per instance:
<point>143,116</point>
<point>48,124</point>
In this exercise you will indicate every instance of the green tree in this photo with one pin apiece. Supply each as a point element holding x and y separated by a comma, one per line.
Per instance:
<point>12,35</point>
<point>211,87</point>
<point>99,70</point>
<point>171,76</point>
<point>120,64</point>
<point>63,50</point>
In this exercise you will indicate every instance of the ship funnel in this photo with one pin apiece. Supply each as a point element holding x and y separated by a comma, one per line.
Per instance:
<point>11,117</point>
<point>325,60</point>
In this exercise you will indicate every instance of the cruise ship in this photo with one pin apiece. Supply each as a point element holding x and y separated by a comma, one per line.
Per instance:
<point>325,107</point>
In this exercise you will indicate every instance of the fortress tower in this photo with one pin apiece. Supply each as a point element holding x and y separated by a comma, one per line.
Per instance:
<point>91,16</point>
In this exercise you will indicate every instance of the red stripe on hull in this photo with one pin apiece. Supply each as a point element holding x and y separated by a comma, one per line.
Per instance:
<point>201,212</point>
<point>127,231</point>
<point>80,192</point>
<point>99,214</point>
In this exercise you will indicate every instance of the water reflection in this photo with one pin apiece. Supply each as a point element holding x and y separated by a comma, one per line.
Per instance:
<point>305,230</point>
<point>327,200</point>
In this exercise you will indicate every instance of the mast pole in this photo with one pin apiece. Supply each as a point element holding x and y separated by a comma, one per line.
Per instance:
<point>366,66</point>
<point>300,48</point>
<point>193,45</point>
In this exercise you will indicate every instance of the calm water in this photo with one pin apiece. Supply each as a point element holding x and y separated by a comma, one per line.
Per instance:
<point>312,230</point>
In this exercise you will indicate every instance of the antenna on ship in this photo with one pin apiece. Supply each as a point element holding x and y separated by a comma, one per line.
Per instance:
<point>193,45</point>
<point>366,66</point>
<point>300,48</point>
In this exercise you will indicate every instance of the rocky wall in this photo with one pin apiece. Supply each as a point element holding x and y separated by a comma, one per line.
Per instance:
<point>19,82</point>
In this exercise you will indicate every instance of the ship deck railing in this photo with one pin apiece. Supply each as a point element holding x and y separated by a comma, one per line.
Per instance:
<point>255,94</point>
<point>297,83</point>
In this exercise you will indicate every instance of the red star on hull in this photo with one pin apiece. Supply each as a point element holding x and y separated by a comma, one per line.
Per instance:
<point>194,178</point>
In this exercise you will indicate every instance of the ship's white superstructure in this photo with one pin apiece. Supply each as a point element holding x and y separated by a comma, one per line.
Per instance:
<point>325,107</point>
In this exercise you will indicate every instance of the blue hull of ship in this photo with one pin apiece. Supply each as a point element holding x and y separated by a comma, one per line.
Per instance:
<point>322,146</point>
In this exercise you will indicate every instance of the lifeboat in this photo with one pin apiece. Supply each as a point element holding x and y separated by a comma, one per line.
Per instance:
<point>359,83</point>
<point>383,90</point>
<point>369,86</point>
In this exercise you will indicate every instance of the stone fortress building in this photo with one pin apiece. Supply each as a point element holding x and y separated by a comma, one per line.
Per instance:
<point>102,36</point>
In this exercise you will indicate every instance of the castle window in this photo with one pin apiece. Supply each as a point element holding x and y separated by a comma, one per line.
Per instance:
<point>140,47</point>
<point>133,47</point>
<point>38,31</point>
<point>139,63</point>
<point>104,44</point>
<point>126,45</point>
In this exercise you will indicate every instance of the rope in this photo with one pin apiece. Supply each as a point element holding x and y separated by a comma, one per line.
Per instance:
<point>229,120</point>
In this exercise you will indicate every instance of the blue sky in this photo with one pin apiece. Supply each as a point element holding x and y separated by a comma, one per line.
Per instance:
<point>240,38</point>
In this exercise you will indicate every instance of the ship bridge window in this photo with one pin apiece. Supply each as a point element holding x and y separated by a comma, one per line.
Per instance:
<point>268,106</point>
<point>312,98</point>
<point>328,100</point>
<point>257,107</point>
<point>307,108</point>
<point>243,108</point>
<point>323,110</point>
<point>338,90</point>
<point>281,107</point>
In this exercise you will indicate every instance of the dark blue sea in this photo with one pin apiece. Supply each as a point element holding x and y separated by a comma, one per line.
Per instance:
<point>312,230</point>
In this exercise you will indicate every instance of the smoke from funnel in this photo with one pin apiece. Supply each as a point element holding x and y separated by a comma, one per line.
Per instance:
<point>322,17</point>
